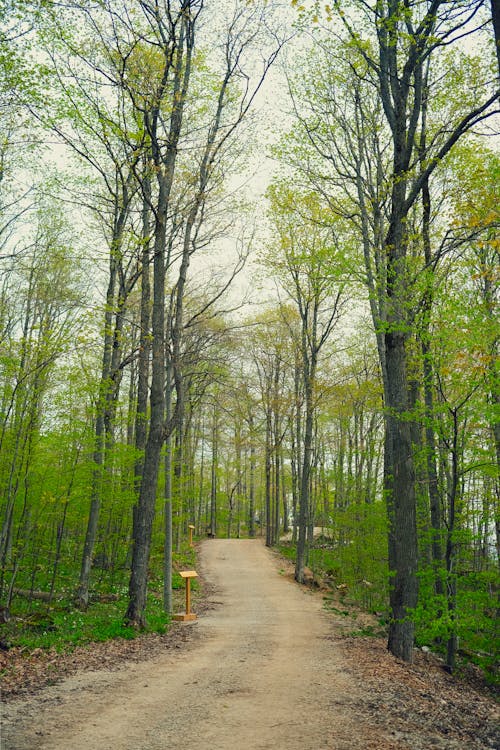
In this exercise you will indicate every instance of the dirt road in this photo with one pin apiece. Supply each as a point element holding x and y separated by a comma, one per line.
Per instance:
<point>263,669</point>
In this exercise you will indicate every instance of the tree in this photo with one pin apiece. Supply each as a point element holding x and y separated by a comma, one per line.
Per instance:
<point>45,292</point>
<point>495,13</point>
<point>308,258</point>
<point>405,40</point>
<point>390,47</point>
<point>90,115</point>
<point>243,31</point>
<point>175,36</point>
<point>271,361</point>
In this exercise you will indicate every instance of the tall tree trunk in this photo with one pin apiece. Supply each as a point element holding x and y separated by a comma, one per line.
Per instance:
<point>145,507</point>
<point>296,433</point>
<point>305,474</point>
<point>165,165</point>
<point>179,479</point>
<point>453,489</point>
<point>268,468</point>
<point>144,335</point>
<point>277,494</point>
<point>427,303</point>
<point>168,541</point>
<point>401,498</point>
<point>495,13</point>
<point>214,473</point>
<point>401,506</point>
<point>201,488</point>
<point>251,489</point>
<point>432,475</point>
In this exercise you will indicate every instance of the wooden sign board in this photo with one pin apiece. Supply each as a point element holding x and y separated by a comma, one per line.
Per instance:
<point>188,615</point>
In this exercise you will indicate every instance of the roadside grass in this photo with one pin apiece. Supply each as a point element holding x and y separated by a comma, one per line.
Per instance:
<point>59,625</point>
<point>62,626</point>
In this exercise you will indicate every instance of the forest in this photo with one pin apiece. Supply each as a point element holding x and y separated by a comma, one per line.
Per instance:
<point>249,259</point>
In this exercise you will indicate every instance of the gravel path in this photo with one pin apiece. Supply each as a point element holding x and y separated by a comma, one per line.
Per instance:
<point>259,673</point>
<point>263,668</point>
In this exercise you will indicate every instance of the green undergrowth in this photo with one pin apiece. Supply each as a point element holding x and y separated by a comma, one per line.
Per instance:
<point>61,626</point>
<point>358,580</point>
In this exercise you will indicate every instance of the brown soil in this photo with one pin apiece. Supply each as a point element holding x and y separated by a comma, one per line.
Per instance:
<point>264,666</point>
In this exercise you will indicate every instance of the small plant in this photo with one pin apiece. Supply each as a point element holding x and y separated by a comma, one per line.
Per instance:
<point>370,631</point>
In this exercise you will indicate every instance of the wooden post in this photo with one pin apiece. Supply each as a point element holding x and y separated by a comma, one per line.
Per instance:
<point>191,528</point>
<point>188,615</point>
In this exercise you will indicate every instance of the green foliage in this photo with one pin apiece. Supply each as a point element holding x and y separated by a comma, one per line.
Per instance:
<point>63,627</point>
<point>36,624</point>
<point>360,553</point>
<point>474,620</point>
<point>352,555</point>
<point>328,207</point>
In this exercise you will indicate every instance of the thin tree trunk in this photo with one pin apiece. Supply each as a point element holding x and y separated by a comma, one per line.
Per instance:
<point>251,492</point>
<point>165,168</point>
<point>145,508</point>
<point>214,472</point>
<point>144,336</point>
<point>495,12</point>
<point>168,546</point>
<point>268,468</point>
<point>304,496</point>
<point>428,379</point>
<point>453,489</point>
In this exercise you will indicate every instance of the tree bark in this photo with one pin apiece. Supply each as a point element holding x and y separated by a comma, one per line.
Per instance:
<point>144,335</point>
<point>214,473</point>
<point>168,538</point>
<point>268,468</point>
<point>495,13</point>
<point>165,168</point>
<point>305,474</point>
<point>145,508</point>
<point>401,498</point>
<point>251,489</point>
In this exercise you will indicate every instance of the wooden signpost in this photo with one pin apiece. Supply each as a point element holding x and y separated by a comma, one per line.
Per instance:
<point>191,529</point>
<point>188,615</point>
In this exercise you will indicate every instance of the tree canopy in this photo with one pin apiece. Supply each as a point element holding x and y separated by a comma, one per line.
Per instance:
<point>179,347</point>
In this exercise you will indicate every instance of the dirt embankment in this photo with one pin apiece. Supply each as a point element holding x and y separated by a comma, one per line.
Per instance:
<point>265,666</point>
